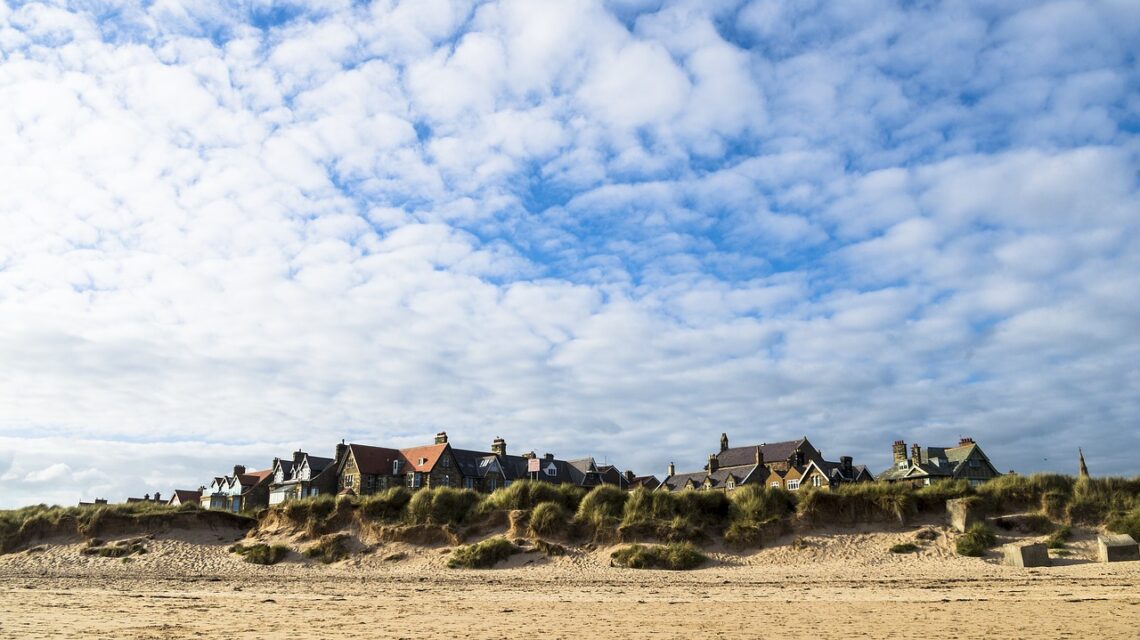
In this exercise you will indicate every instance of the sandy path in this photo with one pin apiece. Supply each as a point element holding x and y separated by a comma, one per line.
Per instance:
<point>834,586</point>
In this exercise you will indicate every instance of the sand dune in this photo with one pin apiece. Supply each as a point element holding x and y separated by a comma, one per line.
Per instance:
<point>826,584</point>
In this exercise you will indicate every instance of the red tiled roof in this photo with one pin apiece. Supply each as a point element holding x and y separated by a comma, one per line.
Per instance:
<point>373,460</point>
<point>253,477</point>
<point>429,454</point>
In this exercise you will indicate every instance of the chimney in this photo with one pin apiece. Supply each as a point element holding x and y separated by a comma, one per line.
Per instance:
<point>846,466</point>
<point>723,441</point>
<point>672,470</point>
<point>146,497</point>
<point>499,447</point>
<point>298,456</point>
<point>157,497</point>
<point>548,456</point>
<point>759,456</point>
<point>714,464</point>
<point>104,500</point>
<point>239,470</point>
<point>629,476</point>
<point>915,454</point>
<point>899,449</point>
<point>341,451</point>
<point>441,437</point>
<point>964,440</point>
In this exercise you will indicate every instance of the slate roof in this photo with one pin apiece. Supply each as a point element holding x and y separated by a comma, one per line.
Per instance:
<point>318,464</point>
<point>772,452</point>
<point>185,495</point>
<point>719,477</point>
<point>250,480</point>
<point>375,461</point>
<point>934,462</point>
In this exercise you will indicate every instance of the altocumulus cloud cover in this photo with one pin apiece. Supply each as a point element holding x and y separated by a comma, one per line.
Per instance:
<point>231,229</point>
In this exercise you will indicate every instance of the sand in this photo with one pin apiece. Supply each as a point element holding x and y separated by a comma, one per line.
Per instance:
<point>834,584</point>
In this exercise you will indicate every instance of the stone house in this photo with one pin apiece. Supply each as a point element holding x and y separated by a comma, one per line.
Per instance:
<point>365,470</point>
<point>927,465</point>
<point>776,464</point>
<point>304,476</point>
<point>649,483</point>
<point>185,496</point>
<point>238,492</point>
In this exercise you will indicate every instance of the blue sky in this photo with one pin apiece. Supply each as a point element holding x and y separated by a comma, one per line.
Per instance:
<point>593,228</point>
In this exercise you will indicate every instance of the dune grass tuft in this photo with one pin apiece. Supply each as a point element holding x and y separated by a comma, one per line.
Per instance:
<point>482,555</point>
<point>676,556</point>
<point>261,553</point>
<point>975,541</point>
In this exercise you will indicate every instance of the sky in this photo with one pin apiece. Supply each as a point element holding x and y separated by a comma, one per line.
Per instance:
<point>229,230</point>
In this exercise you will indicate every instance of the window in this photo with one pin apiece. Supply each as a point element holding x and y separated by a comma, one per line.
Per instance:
<point>447,481</point>
<point>491,484</point>
<point>551,470</point>
<point>730,485</point>
<point>423,461</point>
<point>348,480</point>
<point>793,485</point>
<point>776,485</point>
<point>415,480</point>
<point>469,483</point>
<point>816,481</point>
<point>395,467</point>
<point>975,463</point>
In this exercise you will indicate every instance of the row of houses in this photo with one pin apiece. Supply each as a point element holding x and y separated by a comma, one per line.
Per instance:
<point>359,469</point>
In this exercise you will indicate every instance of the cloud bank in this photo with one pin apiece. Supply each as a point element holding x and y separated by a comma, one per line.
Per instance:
<point>594,228</point>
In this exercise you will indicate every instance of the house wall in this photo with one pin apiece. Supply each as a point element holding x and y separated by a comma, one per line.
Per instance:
<point>807,481</point>
<point>981,472</point>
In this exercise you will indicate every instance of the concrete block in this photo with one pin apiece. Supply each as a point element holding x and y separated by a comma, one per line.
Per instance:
<point>1024,554</point>
<point>1117,548</point>
<point>964,512</point>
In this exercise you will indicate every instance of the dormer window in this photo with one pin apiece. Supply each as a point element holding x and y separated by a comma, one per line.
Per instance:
<point>423,461</point>
<point>551,470</point>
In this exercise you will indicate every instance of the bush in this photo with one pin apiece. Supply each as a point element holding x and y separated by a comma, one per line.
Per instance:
<point>1021,492</point>
<point>975,541</point>
<point>1126,523</point>
<point>482,555</point>
<point>602,507</point>
<point>933,497</point>
<point>757,504</point>
<point>549,518</point>
<point>904,547</point>
<point>527,494</point>
<point>677,556</point>
<point>861,502</point>
<point>261,553</point>
<point>1059,537</point>
<point>442,506</point>
<point>742,534</point>
<point>387,506</point>
<point>329,549</point>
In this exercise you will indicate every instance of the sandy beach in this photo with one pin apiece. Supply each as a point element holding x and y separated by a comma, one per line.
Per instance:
<point>830,584</point>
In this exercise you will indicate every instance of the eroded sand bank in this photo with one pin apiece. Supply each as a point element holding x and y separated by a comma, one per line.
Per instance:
<point>831,584</point>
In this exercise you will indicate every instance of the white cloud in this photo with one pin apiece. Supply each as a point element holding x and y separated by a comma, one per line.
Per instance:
<point>645,223</point>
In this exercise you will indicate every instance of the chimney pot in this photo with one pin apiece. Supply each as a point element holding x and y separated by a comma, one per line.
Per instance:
<point>499,447</point>
<point>239,470</point>
<point>899,451</point>
<point>672,470</point>
<point>915,454</point>
<point>441,437</point>
<point>714,464</point>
